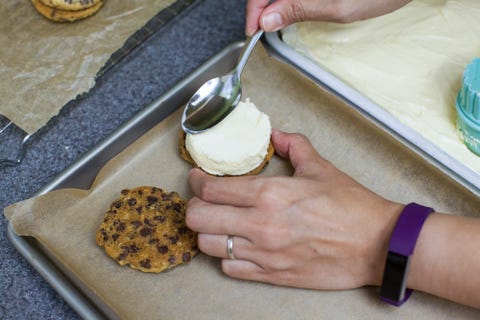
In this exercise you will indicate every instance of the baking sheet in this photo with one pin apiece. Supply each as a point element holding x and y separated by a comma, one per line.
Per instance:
<point>64,221</point>
<point>450,165</point>
<point>43,64</point>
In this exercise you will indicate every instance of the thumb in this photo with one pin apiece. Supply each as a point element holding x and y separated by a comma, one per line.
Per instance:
<point>282,13</point>
<point>302,155</point>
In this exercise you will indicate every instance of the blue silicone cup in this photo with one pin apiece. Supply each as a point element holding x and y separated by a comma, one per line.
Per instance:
<point>468,107</point>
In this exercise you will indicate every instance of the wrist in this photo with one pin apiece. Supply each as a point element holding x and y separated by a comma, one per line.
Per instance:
<point>385,223</point>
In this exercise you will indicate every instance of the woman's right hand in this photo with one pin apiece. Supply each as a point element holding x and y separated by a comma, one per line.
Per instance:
<point>281,13</point>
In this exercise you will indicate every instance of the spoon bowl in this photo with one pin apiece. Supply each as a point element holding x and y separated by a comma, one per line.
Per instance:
<point>217,97</point>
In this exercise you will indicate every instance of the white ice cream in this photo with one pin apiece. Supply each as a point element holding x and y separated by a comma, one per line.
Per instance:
<point>410,62</point>
<point>235,146</point>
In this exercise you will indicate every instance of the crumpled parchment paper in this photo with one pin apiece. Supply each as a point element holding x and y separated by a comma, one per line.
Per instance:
<point>43,64</point>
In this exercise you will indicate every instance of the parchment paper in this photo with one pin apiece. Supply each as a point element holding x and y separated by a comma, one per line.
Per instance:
<point>43,64</point>
<point>65,221</point>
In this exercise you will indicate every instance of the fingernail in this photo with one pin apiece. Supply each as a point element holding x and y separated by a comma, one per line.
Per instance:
<point>272,22</point>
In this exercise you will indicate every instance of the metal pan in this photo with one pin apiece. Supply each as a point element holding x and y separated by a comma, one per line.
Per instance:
<point>411,138</point>
<point>82,173</point>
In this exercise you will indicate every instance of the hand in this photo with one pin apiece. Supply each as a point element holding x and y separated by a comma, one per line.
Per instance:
<point>281,13</point>
<point>318,229</point>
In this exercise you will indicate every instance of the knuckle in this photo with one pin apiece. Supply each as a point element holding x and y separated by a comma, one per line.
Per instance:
<point>202,242</point>
<point>270,193</point>
<point>193,216</point>
<point>299,137</point>
<point>296,12</point>
<point>227,269</point>
<point>341,12</point>
<point>207,190</point>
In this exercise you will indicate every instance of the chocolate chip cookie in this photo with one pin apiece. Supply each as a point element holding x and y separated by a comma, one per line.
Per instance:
<point>145,229</point>
<point>70,5</point>
<point>60,15</point>
<point>186,155</point>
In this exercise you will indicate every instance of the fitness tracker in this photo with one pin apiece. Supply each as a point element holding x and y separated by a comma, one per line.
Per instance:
<point>402,244</point>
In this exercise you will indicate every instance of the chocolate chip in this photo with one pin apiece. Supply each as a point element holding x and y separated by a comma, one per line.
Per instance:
<point>147,222</point>
<point>131,202</point>
<point>182,230</point>
<point>177,207</point>
<point>171,259</point>
<point>122,256</point>
<point>121,227</point>
<point>136,223</point>
<point>173,240</point>
<point>133,248</point>
<point>145,232</point>
<point>160,218</point>
<point>152,241</point>
<point>115,236</point>
<point>146,264</point>
<point>186,257</point>
<point>105,238</point>
<point>151,201</point>
<point>117,204</point>
<point>162,249</point>
<point>139,209</point>
<point>155,190</point>
<point>125,192</point>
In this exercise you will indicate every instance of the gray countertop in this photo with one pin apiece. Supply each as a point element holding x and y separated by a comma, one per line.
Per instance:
<point>164,59</point>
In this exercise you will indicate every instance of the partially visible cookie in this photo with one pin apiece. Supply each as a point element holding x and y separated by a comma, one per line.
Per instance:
<point>59,15</point>
<point>186,155</point>
<point>145,229</point>
<point>70,5</point>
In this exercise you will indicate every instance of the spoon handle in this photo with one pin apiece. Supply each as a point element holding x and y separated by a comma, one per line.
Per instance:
<point>246,51</point>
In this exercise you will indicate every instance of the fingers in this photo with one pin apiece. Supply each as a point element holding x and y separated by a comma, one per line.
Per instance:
<point>204,217</point>
<point>254,10</point>
<point>245,191</point>
<point>273,17</point>
<point>235,191</point>
<point>216,246</point>
<point>302,155</point>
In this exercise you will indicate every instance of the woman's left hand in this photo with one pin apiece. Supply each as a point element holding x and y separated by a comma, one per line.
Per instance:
<point>318,229</point>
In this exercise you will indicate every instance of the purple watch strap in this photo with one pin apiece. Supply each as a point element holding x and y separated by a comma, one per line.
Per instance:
<point>402,244</point>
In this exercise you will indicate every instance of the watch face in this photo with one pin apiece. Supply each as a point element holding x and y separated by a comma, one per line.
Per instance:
<point>395,277</point>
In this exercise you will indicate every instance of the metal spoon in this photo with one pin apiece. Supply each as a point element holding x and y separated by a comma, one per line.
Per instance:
<point>217,97</point>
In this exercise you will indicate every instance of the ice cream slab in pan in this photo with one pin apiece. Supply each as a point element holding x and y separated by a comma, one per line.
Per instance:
<point>375,113</point>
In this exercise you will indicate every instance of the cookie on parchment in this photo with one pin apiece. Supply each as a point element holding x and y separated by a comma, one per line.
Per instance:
<point>145,229</point>
<point>70,5</point>
<point>59,15</point>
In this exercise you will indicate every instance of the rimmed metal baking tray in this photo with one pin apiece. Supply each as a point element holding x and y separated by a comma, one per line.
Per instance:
<point>391,125</point>
<point>82,173</point>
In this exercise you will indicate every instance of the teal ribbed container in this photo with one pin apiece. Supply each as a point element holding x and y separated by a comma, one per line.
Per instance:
<point>468,107</point>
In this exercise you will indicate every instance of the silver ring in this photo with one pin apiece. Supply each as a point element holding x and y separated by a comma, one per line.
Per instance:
<point>230,248</point>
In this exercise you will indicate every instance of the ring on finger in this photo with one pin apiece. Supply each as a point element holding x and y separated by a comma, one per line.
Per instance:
<point>230,248</point>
